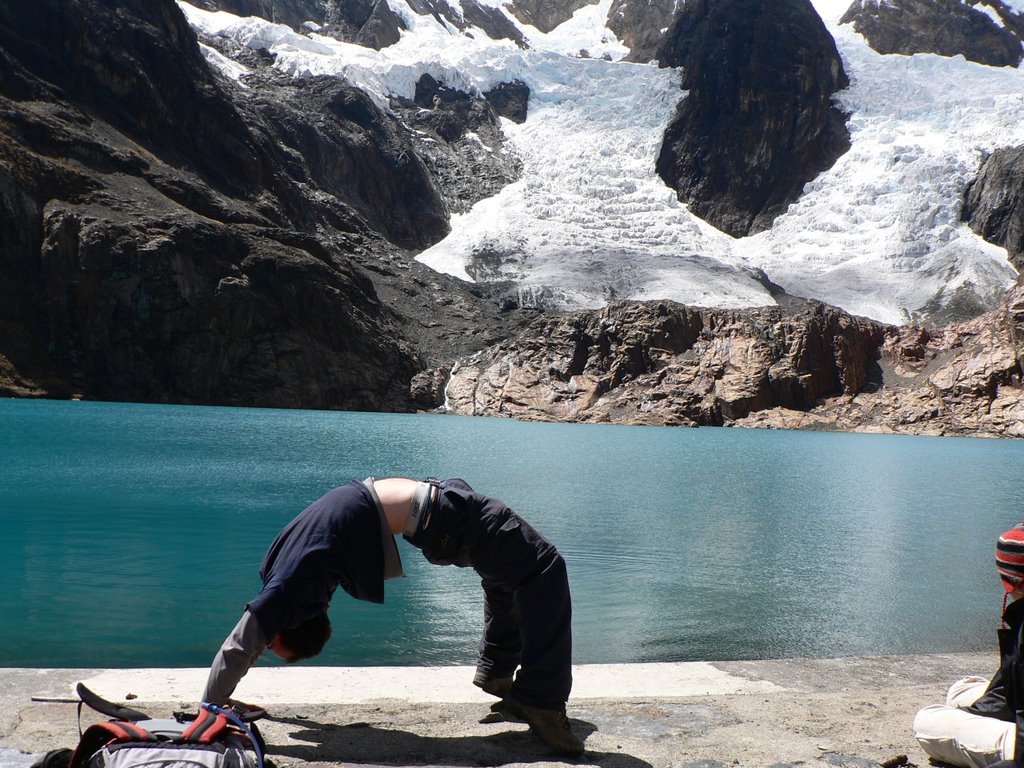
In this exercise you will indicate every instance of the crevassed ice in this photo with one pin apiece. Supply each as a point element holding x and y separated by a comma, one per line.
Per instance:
<point>878,234</point>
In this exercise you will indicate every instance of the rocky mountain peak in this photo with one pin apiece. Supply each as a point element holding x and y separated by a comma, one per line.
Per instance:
<point>641,25</point>
<point>171,236</point>
<point>758,121</point>
<point>991,35</point>
<point>545,15</point>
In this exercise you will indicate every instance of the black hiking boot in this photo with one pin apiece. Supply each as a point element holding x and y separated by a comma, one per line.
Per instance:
<point>496,686</point>
<point>549,725</point>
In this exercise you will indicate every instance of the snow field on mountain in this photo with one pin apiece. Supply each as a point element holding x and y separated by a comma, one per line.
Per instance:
<point>590,220</point>
<point>878,234</point>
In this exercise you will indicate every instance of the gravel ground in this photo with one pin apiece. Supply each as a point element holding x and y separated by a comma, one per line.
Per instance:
<point>842,713</point>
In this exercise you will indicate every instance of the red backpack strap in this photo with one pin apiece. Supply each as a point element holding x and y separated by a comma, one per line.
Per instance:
<point>206,728</point>
<point>99,735</point>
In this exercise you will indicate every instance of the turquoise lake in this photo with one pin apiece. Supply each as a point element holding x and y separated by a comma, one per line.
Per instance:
<point>132,534</point>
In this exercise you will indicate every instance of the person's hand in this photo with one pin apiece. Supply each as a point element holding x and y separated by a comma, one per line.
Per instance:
<point>248,712</point>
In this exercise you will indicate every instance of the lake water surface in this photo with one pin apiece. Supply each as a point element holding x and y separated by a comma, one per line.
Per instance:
<point>132,534</point>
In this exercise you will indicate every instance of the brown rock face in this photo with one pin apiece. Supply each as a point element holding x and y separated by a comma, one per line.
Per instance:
<point>662,363</point>
<point>817,368</point>
<point>964,379</point>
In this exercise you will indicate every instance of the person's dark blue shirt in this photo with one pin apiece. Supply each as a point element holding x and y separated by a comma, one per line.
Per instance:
<point>335,540</point>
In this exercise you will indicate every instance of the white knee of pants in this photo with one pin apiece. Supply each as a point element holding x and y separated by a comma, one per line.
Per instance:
<point>951,735</point>
<point>966,691</point>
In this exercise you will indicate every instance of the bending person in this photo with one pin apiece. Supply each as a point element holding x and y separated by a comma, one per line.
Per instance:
<point>346,538</point>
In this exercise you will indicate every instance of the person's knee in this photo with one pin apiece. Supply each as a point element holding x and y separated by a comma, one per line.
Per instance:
<point>956,737</point>
<point>934,722</point>
<point>966,691</point>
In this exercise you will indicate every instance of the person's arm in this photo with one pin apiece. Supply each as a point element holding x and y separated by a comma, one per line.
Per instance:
<point>1015,691</point>
<point>238,653</point>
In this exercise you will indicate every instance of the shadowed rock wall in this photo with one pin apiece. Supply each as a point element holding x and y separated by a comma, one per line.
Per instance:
<point>641,25</point>
<point>994,202</point>
<point>945,27</point>
<point>158,236</point>
<point>758,121</point>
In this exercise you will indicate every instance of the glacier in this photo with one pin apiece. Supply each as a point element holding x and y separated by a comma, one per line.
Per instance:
<point>589,220</point>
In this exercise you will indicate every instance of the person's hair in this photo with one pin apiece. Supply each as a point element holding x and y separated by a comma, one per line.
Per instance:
<point>307,639</point>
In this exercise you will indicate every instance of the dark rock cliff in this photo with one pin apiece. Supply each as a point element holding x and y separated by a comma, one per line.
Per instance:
<point>167,236</point>
<point>294,13</point>
<point>758,121</point>
<point>370,23</point>
<point>490,20</point>
<point>641,25</point>
<point>994,202</point>
<point>945,27</point>
<point>463,142</point>
<point>326,133</point>
<point>545,15</point>
<point>143,76</point>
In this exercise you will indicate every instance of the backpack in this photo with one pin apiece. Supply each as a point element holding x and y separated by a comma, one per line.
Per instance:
<point>217,738</point>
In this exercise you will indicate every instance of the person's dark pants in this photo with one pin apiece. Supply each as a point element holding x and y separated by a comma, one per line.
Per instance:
<point>530,626</point>
<point>527,605</point>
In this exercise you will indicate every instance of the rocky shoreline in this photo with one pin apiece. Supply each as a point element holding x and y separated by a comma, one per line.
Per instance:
<point>809,366</point>
<point>803,365</point>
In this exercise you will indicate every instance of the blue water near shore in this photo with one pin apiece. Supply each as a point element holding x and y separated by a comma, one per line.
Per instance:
<point>132,534</point>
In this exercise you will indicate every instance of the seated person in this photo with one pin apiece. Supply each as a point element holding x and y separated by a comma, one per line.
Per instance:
<point>982,721</point>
